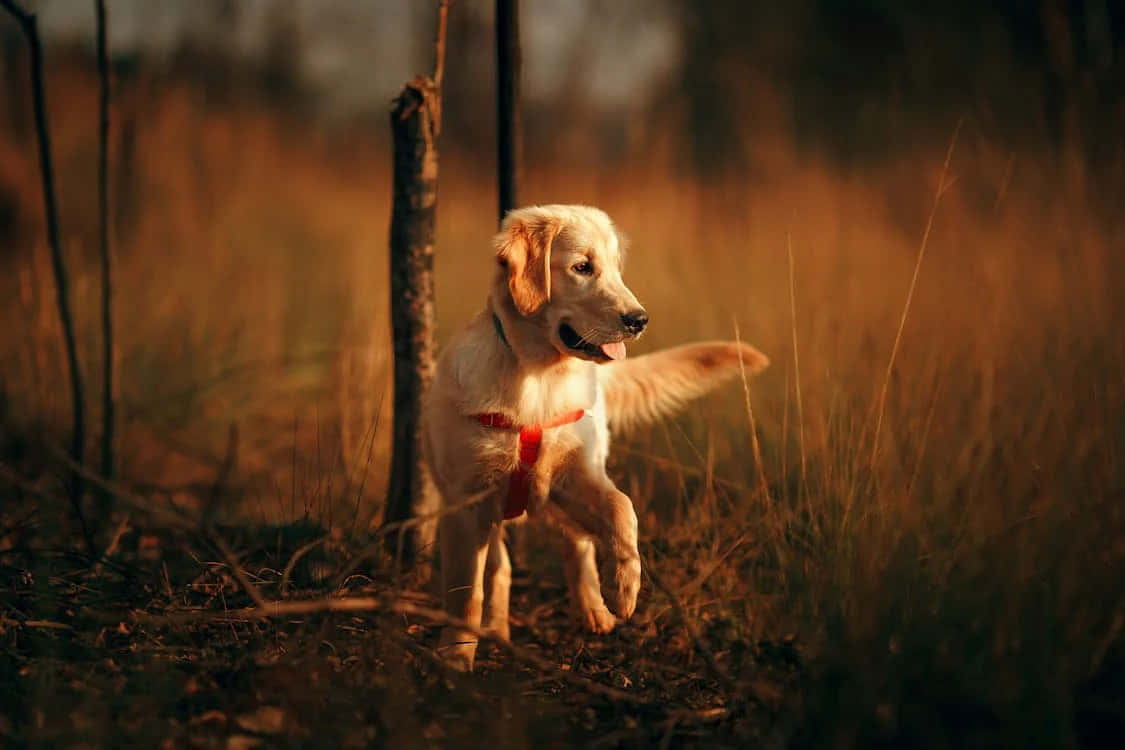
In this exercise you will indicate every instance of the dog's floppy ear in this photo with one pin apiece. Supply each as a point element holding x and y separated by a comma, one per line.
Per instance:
<point>523,247</point>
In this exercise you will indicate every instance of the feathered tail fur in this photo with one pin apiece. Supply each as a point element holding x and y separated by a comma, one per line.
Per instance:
<point>651,386</point>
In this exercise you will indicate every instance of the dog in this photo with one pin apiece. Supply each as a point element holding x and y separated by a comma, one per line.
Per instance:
<point>516,420</point>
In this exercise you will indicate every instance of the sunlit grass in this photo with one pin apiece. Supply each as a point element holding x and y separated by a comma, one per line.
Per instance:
<point>969,568</point>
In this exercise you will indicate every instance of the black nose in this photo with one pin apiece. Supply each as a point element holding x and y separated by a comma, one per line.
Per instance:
<point>635,321</point>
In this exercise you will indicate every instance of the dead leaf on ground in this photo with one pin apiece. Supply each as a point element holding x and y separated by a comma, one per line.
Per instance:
<point>242,742</point>
<point>264,720</point>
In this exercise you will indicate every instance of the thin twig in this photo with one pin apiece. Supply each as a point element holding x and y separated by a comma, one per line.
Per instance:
<point>910,292</point>
<point>109,384</point>
<point>700,646</point>
<point>177,520</point>
<point>664,462</point>
<point>718,563</point>
<point>301,552</point>
<point>925,436</point>
<point>47,624</point>
<point>757,449</point>
<point>236,569</point>
<point>29,25</point>
<point>268,609</point>
<point>32,488</point>
<point>171,517</point>
<point>439,61</point>
<point>797,366</point>
<point>396,526</point>
<point>115,542</point>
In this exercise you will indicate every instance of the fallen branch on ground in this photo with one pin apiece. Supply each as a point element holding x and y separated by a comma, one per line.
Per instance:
<point>358,604</point>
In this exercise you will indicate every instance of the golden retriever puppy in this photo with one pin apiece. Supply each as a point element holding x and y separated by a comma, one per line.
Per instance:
<point>519,414</point>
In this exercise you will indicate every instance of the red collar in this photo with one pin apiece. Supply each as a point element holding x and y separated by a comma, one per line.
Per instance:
<point>531,437</point>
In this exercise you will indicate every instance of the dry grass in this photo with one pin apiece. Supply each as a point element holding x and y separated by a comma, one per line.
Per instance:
<point>963,580</point>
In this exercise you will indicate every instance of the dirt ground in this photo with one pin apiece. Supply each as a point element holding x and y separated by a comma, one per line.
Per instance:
<point>148,650</point>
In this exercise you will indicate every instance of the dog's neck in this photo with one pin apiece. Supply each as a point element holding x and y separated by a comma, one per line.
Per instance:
<point>523,337</point>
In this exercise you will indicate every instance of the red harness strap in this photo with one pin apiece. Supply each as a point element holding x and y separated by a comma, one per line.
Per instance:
<point>531,437</point>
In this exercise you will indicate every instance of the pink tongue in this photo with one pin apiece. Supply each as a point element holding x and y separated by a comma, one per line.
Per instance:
<point>615,350</point>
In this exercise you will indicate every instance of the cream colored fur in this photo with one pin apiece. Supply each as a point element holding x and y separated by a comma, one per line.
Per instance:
<point>558,276</point>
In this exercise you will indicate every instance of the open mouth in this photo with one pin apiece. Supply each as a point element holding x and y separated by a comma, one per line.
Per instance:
<point>597,352</point>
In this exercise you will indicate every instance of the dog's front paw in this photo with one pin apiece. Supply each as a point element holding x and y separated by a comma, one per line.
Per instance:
<point>621,582</point>
<point>595,618</point>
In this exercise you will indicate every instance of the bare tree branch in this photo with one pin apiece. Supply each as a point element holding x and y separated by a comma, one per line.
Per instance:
<point>109,383</point>
<point>508,61</point>
<point>29,25</point>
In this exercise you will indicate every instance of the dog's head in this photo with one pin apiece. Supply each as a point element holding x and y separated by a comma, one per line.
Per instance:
<point>562,267</point>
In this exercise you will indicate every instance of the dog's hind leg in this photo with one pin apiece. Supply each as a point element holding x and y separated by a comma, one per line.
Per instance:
<point>464,537</point>
<point>497,584</point>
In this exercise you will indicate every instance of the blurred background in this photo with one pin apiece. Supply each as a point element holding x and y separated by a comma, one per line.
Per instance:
<point>777,168</point>
<point>250,181</point>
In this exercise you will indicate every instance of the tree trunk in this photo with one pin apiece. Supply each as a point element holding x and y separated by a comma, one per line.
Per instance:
<point>414,124</point>
<point>507,102</point>
<point>509,156</point>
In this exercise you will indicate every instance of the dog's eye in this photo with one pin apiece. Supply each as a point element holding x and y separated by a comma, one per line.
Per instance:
<point>585,268</point>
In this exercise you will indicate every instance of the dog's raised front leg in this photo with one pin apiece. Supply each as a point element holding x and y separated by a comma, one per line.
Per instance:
<point>464,544</point>
<point>581,568</point>
<point>497,584</point>
<point>596,505</point>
